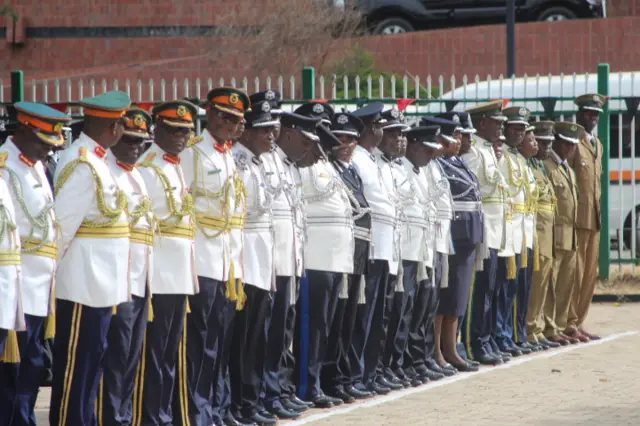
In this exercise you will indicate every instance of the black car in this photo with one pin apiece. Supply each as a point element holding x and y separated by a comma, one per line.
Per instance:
<point>401,16</point>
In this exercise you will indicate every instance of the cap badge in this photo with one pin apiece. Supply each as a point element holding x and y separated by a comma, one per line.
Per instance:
<point>438,132</point>
<point>266,107</point>
<point>234,98</point>
<point>574,128</point>
<point>455,119</point>
<point>318,109</point>
<point>270,95</point>
<point>342,119</point>
<point>138,120</point>
<point>181,111</point>
<point>522,112</point>
<point>395,113</point>
<point>58,127</point>
<point>596,98</point>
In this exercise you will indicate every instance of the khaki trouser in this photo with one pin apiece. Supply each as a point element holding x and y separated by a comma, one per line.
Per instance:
<point>585,279</point>
<point>539,290</point>
<point>556,310</point>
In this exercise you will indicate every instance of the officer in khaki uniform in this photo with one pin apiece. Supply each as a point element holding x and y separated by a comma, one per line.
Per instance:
<point>545,206</point>
<point>565,240</point>
<point>587,164</point>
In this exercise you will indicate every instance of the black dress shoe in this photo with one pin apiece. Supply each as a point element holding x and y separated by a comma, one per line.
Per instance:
<point>334,400</point>
<point>431,375</point>
<point>448,370</point>
<point>298,401</point>
<point>259,419</point>
<point>341,395</point>
<point>378,389</point>
<point>387,384</point>
<point>289,405</point>
<point>465,367</point>
<point>550,344</point>
<point>357,393</point>
<point>515,352</point>
<point>393,379</point>
<point>474,363</point>
<point>283,413</point>
<point>489,359</point>
<point>418,381</point>
<point>322,401</point>
<point>229,420</point>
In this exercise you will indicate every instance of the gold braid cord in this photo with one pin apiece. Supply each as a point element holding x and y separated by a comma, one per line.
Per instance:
<point>140,211</point>
<point>111,215</point>
<point>175,215</point>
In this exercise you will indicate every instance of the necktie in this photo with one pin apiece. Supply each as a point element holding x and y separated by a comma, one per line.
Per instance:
<point>352,170</point>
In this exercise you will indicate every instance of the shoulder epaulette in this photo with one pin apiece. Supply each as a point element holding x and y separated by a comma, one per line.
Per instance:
<point>194,141</point>
<point>3,159</point>
<point>147,160</point>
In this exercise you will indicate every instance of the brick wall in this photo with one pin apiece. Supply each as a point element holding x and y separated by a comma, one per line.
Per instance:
<point>542,48</point>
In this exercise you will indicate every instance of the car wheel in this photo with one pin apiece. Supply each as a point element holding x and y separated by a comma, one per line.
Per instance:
<point>558,13</point>
<point>392,26</point>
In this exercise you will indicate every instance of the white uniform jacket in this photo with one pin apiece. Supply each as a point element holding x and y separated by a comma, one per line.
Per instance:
<point>482,161</point>
<point>34,208</point>
<point>515,173</point>
<point>329,219</point>
<point>258,227</point>
<point>140,224</point>
<point>173,268</point>
<point>417,209</point>
<point>439,192</point>
<point>91,208</point>
<point>383,212</point>
<point>530,203</point>
<point>282,181</point>
<point>218,195</point>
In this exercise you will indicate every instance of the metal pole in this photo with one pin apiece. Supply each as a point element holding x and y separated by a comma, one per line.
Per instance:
<point>511,38</point>
<point>308,83</point>
<point>604,131</point>
<point>17,86</point>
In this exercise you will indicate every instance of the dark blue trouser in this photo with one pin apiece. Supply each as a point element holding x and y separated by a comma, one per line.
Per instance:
<point>124,353</point>
<point>478,321</point>
<point>79,350</point>
<point>279,335</point>
<point>521,306</point>
<point>398,331</point>
<point>369,328</point>
<point>506,296</point>
<point>198,366</point>
<point>3,339</point>
<point>162,354</point>
<point>20,382</point>
<point>222,322</point>
<point>323,290</point>
<point>426,301</point>
<point>430,325</point>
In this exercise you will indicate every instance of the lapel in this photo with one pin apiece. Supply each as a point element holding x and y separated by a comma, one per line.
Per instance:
<point>346,176</point>
<point>591,148</point>
<point>563,171</point>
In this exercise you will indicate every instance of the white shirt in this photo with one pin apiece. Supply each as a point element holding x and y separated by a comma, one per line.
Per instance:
<point>173,268</point>
<point>35,216</point>
<point>282,180</point>
<point>91,271</point>
<point>140,254</point>
<point>383,211</point>
<point>330,234</point>
<point>208,172</point>
<point>258,229</point>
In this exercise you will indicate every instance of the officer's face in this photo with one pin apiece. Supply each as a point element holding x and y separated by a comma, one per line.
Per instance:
<point>171,139</point>
<point>299,148</point>
<point>588,119</point>
<point>224,126</point>
<point>465,143</point>
<point>391,142</point>
<point>129,149</point>
<point>544,148</point>
<point>564,148</point>
<point>514,134</point>
<point>418,153</point>
<point>276,132</point>
<point>372,134</point>
<point>30,144</point>
<point>529,146</point>
<point>260,139</point>
<point>403,146</point>
<point>347,145</point>
<point>490,129</point>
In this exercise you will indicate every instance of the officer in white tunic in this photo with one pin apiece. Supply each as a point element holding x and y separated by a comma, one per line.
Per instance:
<point>513,168</point>
<point>384,259</point>
<point>328,257</point>
<point>39,129</point>
<point>218,195</point>
<point>173,272</point>
<point>422,148</point>
<point>249,330</point>
<point>282,180</point>
<point>482,161</point>
<point>129,323</point>
<point>91,209</point>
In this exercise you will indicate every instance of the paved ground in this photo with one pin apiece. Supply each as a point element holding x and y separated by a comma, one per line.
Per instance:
<point>588,384</point>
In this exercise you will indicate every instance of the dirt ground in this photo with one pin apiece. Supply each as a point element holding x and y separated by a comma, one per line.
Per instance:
<point>587,384</point>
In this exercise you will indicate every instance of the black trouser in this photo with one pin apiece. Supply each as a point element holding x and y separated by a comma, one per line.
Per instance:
<point>19,383</point>
<point>414,353</point>
<point>279,337</point>
<point>432,311</point>
<point>336,371</point>
<point>79,350</point>
<point>369,328</point>
<point>125,340</point>
<point>323,289</point>
<point>521,306</point>
<point>246,366</point>
<point>398,331</point>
